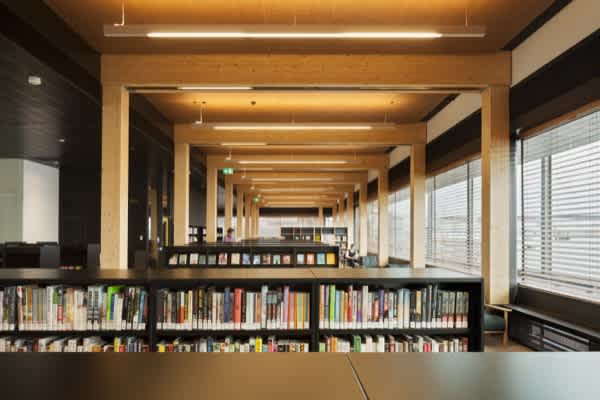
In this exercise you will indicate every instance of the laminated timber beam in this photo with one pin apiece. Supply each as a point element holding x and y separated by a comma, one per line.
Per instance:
<point>301,161</point>
<point>401,134</point>
<point>312,178</point>
<point>429,71</point>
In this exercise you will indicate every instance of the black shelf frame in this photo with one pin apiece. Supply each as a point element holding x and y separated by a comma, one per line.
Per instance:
<point>307,279</point>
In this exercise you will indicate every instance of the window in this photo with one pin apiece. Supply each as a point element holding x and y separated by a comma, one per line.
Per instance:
<point>373,226</point>
<point>271,226</point>
<point>399,225</point>
<point>453,218</point>
<point>558,228</point>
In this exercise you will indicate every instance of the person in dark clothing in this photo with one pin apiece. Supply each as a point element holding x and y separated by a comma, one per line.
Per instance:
<point>352,256</point>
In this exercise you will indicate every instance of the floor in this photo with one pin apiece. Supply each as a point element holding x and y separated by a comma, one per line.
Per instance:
<point>493,343</point>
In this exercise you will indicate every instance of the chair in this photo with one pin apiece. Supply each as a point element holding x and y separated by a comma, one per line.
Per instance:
<point>495,324</point>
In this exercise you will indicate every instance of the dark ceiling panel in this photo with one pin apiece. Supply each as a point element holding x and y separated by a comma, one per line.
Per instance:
<point>34,118</point>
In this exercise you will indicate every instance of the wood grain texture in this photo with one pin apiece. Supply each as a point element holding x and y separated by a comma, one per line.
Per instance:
<point>115,177</point>
<point>181,189</point>
<point>211,204</point>
<point>414,70</point>
<point>495,194</point>
<point>417,205</point>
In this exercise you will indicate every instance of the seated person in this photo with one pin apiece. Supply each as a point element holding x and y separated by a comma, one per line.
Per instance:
<point>351,256</point>
<point>230,237</point>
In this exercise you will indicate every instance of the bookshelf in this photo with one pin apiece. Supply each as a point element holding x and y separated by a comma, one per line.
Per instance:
<point>252,254</point>
<point>196,234</point>
<point>336,236</point>
<point>307,280</point>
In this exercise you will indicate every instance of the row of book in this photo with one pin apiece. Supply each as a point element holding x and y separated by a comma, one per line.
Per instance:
<point>364,307</point>
<point>67,308</point>
<point>391,344</point>
<point>230,345</point>
<point>206,308</point>
<point>251,259</point>
<point>54,344</point>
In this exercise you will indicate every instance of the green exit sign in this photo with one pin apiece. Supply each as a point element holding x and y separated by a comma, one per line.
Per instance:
<point>227,171</point>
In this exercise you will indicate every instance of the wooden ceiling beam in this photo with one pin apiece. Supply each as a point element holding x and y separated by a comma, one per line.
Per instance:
<point>402,134</point>
<point>307,178</point>
<point>398,70</point>
<point>298,162</point>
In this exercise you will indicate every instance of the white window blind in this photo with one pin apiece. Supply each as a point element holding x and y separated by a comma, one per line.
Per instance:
<point>270,226</point>
<point>453,218</point>
<point>399,225</point>
<point>373,226</point>
<point>559,209</point>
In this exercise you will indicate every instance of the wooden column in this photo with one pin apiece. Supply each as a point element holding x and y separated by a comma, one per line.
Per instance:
<point>417,205</point>
<point>211,204</point>
<point>341,213</point>
<point>495,194</point>
<point>363,219</point>
<point>228,205</point>
<point>239,212</point>
<point>334,215</point>
<point>115,178</point>
<point>321,217</point>
<point>382,201</point>
<point>247,217</point>
<point>181,189</point>
<point>256,220</point>
<point>350,218</point>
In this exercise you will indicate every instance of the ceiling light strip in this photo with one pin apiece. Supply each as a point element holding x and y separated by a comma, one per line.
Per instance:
<point>335,162</point>
<point>348,32</point>
<point>291,127</point>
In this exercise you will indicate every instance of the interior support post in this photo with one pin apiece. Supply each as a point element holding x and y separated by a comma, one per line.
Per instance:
<point>382,202</point>
<point>211,204</point>
<point>114,178</point>
<point>364,234</point>
<point>495,194</point>
<point>417,205</point>
<point>181,205</point>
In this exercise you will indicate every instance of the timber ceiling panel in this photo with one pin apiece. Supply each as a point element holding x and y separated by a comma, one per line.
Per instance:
<point>311,106</point>
<point>504,19</point>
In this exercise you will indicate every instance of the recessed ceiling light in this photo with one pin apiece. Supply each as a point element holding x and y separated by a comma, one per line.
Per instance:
<point>61,140</point>
<point>34,80</point>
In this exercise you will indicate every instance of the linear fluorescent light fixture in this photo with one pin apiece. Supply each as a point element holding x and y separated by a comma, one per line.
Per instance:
<point>348,32</point>
<point>292,179</point>
<point>292,162</point>
<point>292,127</point>
<point>243,144</point>
<point>208,88</point>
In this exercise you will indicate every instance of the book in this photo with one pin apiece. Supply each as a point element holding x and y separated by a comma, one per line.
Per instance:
<point>211,308</point>
<point>310,258</point>
<point>74,344</point>
<point>383,308</point>
<point>276,259</point>
<point>321,258</point>
<point>246,259</point>
<point>286,259</point>
<point>230,344</point>
<point>193,258</point>
<point>173,259</point>
<point>222,259</point>
<point>8,307</point>
<point>256,259</point>
<point>330,258</point>
<point>235,258</point>
<point>266,259</point>
<point>182,259</point>
<point>212,259</point>
<point>73,308</point>
<point>300,259</point>
<point>394,344</point>
<point>202,259</point>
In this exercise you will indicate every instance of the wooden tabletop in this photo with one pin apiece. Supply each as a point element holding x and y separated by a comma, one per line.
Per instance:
<point>180,376</point>
<point>477,376</point>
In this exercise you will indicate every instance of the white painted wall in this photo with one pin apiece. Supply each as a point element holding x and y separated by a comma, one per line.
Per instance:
<point>29,195</point>
<point>40,202</point>
<point>572,24</point>
<point>11,200</point>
